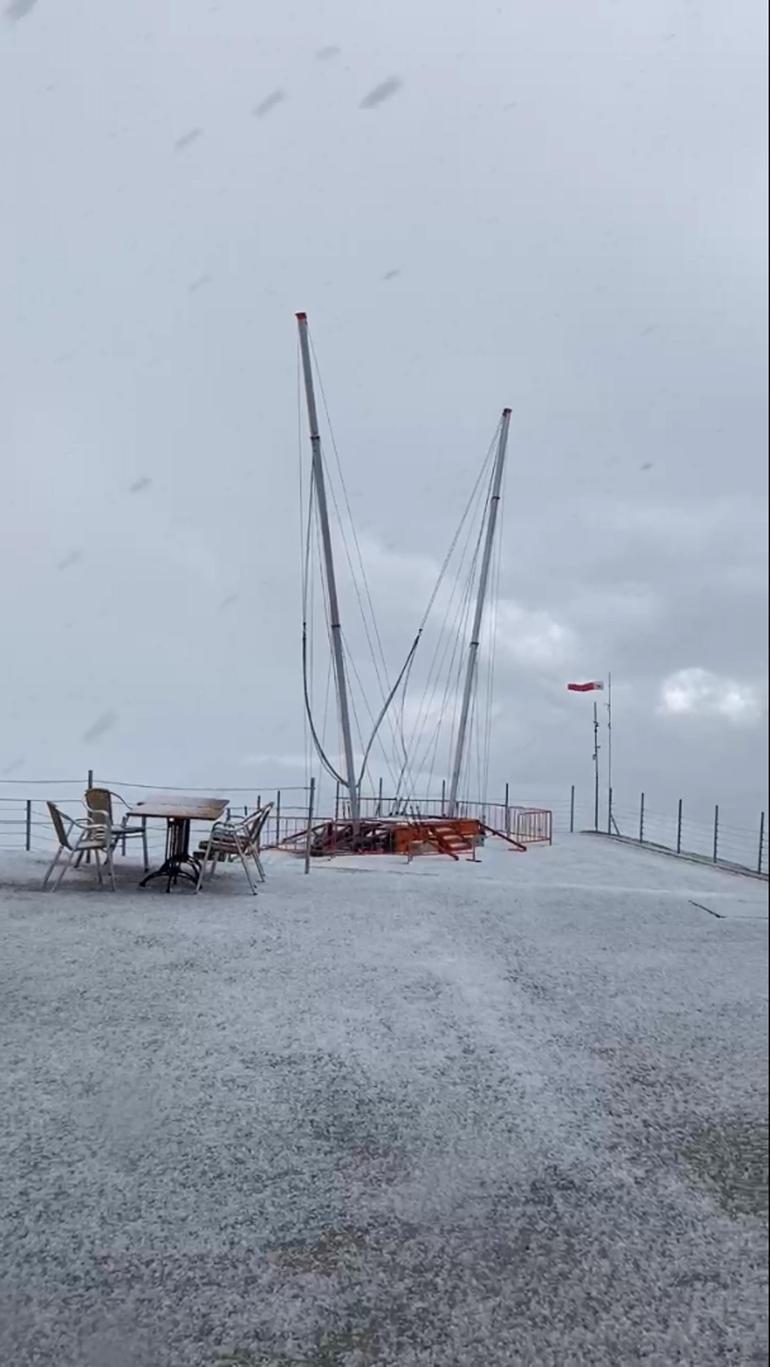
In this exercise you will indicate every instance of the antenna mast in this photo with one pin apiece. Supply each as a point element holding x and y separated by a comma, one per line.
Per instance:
<point>473,648</point>
<point>319,484</point>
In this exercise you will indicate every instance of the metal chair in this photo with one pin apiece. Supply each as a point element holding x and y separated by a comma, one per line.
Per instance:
<point>94,836</point>
<point>234,840</point>
<point>100,800</point>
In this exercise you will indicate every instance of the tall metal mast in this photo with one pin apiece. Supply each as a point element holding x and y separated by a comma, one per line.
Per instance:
<point>331,580</point>
<point>473,648</point>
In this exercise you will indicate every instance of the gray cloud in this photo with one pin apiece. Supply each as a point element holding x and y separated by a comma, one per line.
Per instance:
<point>577,258</point>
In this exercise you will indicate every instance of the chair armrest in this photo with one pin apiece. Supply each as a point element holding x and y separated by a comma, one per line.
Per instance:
<point>88,823</point>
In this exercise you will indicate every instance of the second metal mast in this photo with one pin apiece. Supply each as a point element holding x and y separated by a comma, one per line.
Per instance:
<point>473,648</point>
<point>331,580</point>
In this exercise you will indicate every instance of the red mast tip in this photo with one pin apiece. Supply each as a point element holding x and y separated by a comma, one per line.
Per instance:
<point>301,317</point>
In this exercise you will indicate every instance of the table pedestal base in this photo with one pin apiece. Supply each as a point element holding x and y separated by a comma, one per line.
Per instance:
<point>178,861</point>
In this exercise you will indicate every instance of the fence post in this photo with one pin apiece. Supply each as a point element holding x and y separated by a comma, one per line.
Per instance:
<point>641,820</point>
<point>761,841</point>
<point>90,784</point>
<point>679,827</point>
<point>28,829</point>
<point>443,797</point>
<point>609,811</point>
<point>572,810</point>
<point>716,833</point>
<point>309,840</point>
<point>278,816</point>
<point>337,801</point>
<point>379,797</point>
<point>507,826</point>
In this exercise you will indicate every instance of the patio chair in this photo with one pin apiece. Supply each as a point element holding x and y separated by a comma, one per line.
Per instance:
<point>234,840</point>
<point>100,800</point>
<point>86,835</point>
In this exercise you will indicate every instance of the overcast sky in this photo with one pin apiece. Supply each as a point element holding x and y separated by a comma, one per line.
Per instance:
<point>555,206</point>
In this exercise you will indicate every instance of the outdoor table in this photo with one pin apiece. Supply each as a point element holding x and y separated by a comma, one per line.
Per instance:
<point>178,812</point>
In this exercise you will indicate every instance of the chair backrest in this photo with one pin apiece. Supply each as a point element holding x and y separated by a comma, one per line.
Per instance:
<point>99,829</point>
<point>99,800</point>
<point>255,823</point>
<point>58,824</point>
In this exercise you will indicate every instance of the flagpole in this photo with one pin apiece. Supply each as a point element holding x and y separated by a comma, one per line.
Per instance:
<point>596,768</point>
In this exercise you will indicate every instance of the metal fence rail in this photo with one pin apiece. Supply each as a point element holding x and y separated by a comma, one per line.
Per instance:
<point>25,822</point>
<point>718,840</point>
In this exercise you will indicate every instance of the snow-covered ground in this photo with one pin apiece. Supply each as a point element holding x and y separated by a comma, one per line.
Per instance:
<point>419,1115</point>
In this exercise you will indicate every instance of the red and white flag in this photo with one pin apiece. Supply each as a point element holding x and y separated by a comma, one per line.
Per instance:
<point>592,687</point>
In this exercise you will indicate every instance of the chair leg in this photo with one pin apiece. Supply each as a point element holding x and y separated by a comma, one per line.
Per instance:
<point>246,868</point>
<point>63,870</point>
<point>110,868</point>
<point>53,864</point>
<point>98,868</point>
<point>202,868</point>
<point>260,869</point>
<point>144,845</point>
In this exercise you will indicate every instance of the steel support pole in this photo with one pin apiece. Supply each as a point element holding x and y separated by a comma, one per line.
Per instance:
<point>308,842</point>
<point>596,768</point>
<point>473,647</point>
<point>319,483</point>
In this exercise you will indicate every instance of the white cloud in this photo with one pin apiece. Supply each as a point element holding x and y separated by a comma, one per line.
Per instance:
<point>531,636</point>
<point>698,692</point>
<point>528,637</point>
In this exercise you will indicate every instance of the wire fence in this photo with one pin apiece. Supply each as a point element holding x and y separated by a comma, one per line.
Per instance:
<point>25,821</point>
<point>715,839</point>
